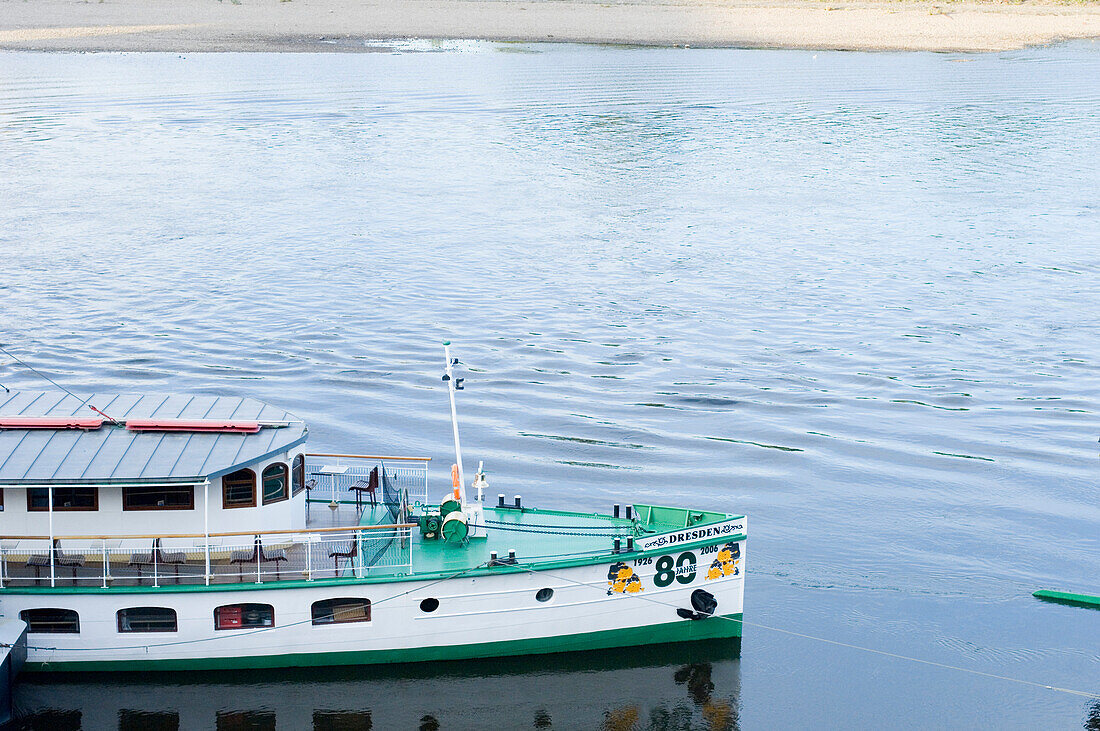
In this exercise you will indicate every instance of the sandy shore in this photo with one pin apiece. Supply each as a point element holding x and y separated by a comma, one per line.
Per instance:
<point>342,25</point>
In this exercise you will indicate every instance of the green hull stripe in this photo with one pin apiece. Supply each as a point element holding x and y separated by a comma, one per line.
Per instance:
<point>1062,597</point>
<point>714,628</point>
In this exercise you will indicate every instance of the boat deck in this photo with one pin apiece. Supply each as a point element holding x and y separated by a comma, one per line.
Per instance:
<point>532,534</point>
<point>341,540</point>
<point>544,535</point>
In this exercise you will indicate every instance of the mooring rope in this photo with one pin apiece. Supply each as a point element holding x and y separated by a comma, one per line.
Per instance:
<point>838,643</point>
<point>741,622</point>
<point>146,647</point>
<point>32,369</point>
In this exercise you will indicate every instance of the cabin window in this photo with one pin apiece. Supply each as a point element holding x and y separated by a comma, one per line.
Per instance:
<point>239,489</point>
<point>297,476</point>
<point>147,619</point>
<point>64,498</point>
<point>51,621</point>
<point>244,616</point>
<point>275,483</point>
<point>1,499</point>
<point>157,497</point>
<point>338,611</point>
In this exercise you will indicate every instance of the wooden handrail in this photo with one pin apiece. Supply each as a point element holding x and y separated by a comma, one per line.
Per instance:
<point>214,535</point>
<point>371,456</point>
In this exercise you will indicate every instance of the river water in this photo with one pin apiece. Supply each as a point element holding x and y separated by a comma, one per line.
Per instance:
<point>851,295</point>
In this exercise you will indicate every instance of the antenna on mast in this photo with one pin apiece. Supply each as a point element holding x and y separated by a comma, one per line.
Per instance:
<point>454,384</point>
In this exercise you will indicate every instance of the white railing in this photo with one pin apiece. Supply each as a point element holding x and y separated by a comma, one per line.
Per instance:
<point>306,555</point>
<point>346,478</point>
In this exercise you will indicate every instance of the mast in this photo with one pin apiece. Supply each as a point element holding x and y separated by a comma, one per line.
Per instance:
<point>452,385</point>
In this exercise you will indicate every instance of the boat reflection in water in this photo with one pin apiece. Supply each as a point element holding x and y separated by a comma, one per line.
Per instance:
<point>691,686</point>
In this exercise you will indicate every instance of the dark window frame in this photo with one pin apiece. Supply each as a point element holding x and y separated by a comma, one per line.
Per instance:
<point>282,467</point>
<point>243,606</point>
<point>119,620</point>
<point>225,489</point>
<point>32,491</point>
<point>26,616</point>
<point>128,507</point>
<point>326,615</point>
<point>297,475</point>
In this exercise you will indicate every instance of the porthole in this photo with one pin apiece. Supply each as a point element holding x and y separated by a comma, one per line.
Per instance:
<point>429,605</point>
<point>544,595</point>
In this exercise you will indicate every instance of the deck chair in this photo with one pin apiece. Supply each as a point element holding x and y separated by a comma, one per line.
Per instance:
<point>350,552</point>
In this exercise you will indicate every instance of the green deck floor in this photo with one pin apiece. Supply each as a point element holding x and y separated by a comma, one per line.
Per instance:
<point>534,535</point>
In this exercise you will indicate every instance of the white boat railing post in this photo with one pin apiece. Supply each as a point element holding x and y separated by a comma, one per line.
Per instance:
<point>3,565</point>
<point>309,558</point>
<point>106,566</point>
<point>206,526</point>
<point>49,498</point>
<point>357,572</point>
<point>156,579</point>
<point>256,548</point>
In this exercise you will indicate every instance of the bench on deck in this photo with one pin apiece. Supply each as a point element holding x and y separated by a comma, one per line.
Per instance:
<point>40,560</point>
<point>258,554</point>
<point>158,557</point>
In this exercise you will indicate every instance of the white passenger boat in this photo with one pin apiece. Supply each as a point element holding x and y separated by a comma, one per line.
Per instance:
<point>187,532</point>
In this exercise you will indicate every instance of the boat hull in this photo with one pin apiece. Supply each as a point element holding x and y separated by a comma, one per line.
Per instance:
<point>623,603</point>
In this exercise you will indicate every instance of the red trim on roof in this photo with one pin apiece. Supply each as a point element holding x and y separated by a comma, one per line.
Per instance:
<point>193,425</point>
<point>50,422</point>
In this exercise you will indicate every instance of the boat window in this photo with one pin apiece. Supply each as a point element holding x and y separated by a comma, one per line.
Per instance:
<point>429,605</point>
<point>51,621</point>
<point>147,619</point>
<point>297,475</point>
<point>239,489</point>
<point>544,595</point>
<point>1,499</point>
<point>275,479</point>
<point>158,497</point>
<point>64,498</point>
<point>337,611</point>
<point>244,616</point>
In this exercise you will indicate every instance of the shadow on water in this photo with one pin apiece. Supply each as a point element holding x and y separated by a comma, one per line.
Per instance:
<point>1092,721</point>
<point>681,687</point>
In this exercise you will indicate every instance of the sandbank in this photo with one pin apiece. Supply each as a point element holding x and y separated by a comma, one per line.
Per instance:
<point>348,25</point>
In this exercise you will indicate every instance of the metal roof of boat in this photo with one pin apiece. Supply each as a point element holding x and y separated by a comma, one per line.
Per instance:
<point>113,453</point>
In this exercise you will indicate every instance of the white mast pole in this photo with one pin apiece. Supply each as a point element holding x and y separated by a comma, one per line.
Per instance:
<point>454,422</point>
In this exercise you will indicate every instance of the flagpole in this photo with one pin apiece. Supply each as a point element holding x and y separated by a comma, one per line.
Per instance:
<point>450,379</point>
